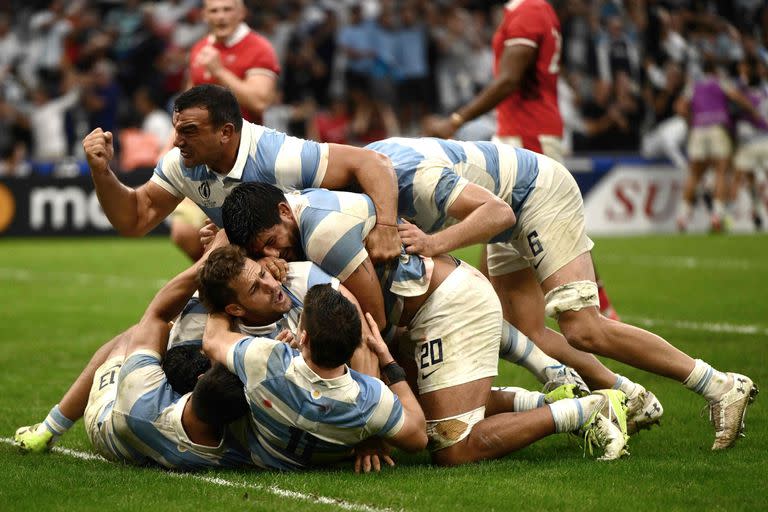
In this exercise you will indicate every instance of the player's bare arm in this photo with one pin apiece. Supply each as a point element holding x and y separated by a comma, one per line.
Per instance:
<point>412,437</point>
<point>363,360</point>
<point>133,212</point>
<point>363,283</point>
<point>376,177</point>
<point>515,61</point>
<point>482,216</point>
<point>152,331</point>
<point>219,337</point>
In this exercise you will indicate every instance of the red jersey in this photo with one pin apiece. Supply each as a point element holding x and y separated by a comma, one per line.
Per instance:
<point>531,110</point>
<point>244,53</point>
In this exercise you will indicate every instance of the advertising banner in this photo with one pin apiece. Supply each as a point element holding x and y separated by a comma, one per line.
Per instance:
<point>48,206</point>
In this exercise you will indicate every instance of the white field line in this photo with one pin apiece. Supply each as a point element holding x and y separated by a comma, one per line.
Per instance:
<point>697,326</point>
<point>223,482</point>
<point>681,262</point>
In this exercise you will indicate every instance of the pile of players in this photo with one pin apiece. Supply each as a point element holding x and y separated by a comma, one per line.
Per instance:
<point>278,365</point>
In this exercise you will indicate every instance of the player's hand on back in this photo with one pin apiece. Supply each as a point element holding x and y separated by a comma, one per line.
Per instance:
<point>370,453</point>
<point>98,150</point>
<point>376,343</point>
<point>382,243</point>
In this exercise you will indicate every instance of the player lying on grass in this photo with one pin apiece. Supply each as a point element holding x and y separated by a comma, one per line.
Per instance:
<point>308,407</point>
<point>329,228</point>
<point>459,329</point>
<point>543,264</point>
<point>134,415</point>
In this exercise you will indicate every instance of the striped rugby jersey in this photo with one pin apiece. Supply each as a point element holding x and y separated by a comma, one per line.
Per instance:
<point>302,275</point>
<point>264,156</point>
<point>332,228</point>
<point>431,173</point>
<point>146,422</point>
<point>301,420</point>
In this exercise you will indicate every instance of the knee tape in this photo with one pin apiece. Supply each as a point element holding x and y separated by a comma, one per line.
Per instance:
<point>571,297</point>
<point>446,432</point>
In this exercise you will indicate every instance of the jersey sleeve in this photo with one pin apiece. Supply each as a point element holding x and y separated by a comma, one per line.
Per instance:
<point>388,417</point>
<point>263,57</point>
<point>434,191</point>
<point>336,243</point>
<point>293,163</point>
<point>303,275</point>
<point>523,27</point>
<point>143,391</point>
<point>190,326</point>
<point>168,173</point>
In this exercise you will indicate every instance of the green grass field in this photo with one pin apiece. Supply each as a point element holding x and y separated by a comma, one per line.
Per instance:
<point>59,300</point>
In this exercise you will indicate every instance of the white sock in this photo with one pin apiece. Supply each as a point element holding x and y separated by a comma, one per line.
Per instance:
<point>627,386</point>
<point>706,381</point>
<point>517,348</point>
<point>524,400</point>
<point>56,423</point>
<point>569,414</point>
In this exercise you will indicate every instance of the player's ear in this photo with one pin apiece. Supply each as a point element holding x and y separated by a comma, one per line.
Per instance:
<point>285,210</point>
<point>235,310</point>
<point>227,132</point>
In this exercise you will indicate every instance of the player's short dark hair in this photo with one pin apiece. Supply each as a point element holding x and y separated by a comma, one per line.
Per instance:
<point>219,101</point>
<point>213,279</point>
<point>182,365</point>
<point>219,397</point>
<point>333,325</point>
<point>250,209</point>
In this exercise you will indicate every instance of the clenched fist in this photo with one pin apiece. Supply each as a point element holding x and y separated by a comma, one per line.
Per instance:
<point>99,151</point>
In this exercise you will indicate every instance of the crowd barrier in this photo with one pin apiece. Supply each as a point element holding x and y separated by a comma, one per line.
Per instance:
<point>622,196</point>
<point>633,196</point>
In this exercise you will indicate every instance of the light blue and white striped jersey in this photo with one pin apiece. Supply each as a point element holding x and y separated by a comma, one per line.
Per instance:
<point>302,275</point>
<point>302,420</point>
<point>264,156</point>
<point>332,228</point>
<point>431,173</point>
<point>146,418</point>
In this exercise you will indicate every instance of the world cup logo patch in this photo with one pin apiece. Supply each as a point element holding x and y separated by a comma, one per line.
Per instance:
<point>205,190</point>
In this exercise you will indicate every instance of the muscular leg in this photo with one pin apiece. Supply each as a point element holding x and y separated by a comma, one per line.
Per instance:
<point>587,330</point>
<point>522,302</point>
<point>72,404</point>
<point>492,437</point>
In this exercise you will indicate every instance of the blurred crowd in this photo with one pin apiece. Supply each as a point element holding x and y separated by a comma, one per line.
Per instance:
<point>353,71</point>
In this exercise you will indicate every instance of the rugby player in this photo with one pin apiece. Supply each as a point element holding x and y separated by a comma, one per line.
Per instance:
<point>216,150</point>
<point>543,264</point>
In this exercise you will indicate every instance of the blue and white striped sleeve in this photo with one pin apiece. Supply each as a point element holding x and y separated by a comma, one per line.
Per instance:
<point>295,164</point>
<point>142,380</point>
<point>168,174</point>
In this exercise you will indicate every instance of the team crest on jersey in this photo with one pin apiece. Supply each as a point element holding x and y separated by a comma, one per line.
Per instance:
<point>204,190</point>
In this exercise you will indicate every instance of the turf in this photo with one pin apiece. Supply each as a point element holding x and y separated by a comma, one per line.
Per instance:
<point>60,299</point>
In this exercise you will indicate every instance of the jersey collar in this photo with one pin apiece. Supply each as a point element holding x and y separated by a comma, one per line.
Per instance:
<point>238,35</point>
<point>242,152</point>
<point>305,371</point>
